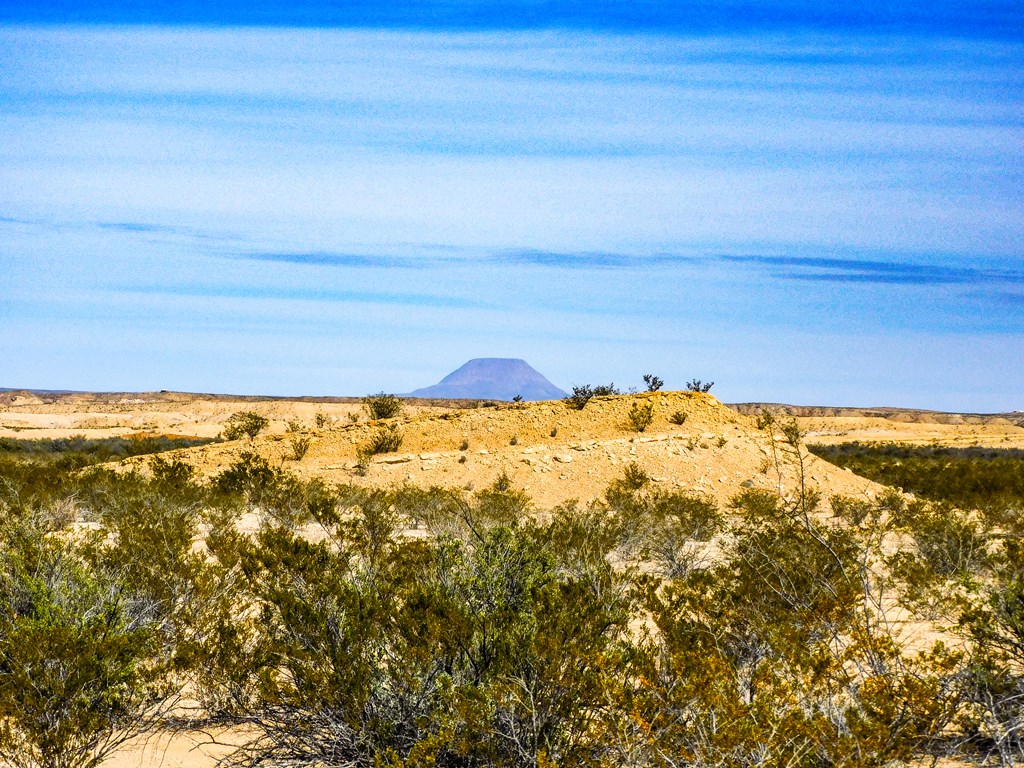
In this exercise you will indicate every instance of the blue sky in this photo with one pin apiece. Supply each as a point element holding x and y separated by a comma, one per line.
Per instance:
<point>803,202</point>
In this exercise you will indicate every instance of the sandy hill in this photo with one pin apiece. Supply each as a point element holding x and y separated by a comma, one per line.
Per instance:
<point>493,378</point>
<point>553,451</point>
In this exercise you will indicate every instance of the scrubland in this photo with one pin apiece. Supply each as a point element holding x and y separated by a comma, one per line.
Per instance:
<point>704,593</point>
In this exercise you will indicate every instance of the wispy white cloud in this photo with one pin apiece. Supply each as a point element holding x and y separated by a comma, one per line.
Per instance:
<point>650,196</point>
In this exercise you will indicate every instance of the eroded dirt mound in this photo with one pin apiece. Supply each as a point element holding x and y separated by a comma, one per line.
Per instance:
<point>556,453</point>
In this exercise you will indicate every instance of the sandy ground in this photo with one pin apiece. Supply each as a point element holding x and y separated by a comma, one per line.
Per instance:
<point>188,749</point>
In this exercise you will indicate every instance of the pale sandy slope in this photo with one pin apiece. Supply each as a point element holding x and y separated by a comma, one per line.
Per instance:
<point>552,451</point>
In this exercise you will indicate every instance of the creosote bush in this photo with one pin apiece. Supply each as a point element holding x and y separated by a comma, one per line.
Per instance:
<point>244,424</point>
<point>382,406</point>
<point>583,394</point>
<point>696,385</point>
<point>384,439</point>
<point>299,445</point>
<point>678,418</point>
<point>652,382</point>
<point>640,415</point>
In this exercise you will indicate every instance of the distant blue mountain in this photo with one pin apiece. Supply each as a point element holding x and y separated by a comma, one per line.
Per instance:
<point>493,378</point>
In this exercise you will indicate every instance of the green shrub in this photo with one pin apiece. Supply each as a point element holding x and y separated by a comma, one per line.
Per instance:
<point>640,415</point>
<point>82,663</point>
<point>653,382</point>
<point>385,439</point>
<point>299,446</point>
<point>678,418</point>
<point>485,650</point>
<point>176,474</point>
<point>244,423</point>
<point>696,385</point>
<point>382,406</point>
<point>251,476</point>
<point>582,395</point>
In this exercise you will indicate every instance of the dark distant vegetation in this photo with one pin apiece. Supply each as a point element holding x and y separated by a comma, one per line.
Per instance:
<point>76,452</point>
<point>971,478</point>
<point>649,628</point>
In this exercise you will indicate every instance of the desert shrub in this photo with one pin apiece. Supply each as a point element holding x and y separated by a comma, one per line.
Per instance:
<point>950,555</point>
<point>321,420</point>
<point>385,439</point>
<point>696,385</point>
<point>678,418</point>
<point>299,446</point>
<point>464,445</point>
<point>582,395</point>
<point>250,477</point>
<point>621,492</point>
<point>172,474</point>
<point>659,525</point>
<point>640,415</point>
<point>244,424</point>
<point>433,507</point>
<point>995,629</point>
<point>770,656</point>
<point>291,502</point>
<point>856,512</point>
<point>82,663</point>
<point>952,544</point>
<point>500,503</point>
<point>448,652</point>
<point>382,406</point>
<point>653,382</point>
